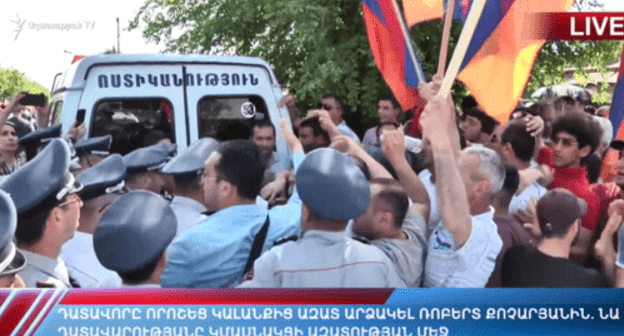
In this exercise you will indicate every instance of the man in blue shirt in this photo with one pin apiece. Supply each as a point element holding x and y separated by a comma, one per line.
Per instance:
<point>213,254</point>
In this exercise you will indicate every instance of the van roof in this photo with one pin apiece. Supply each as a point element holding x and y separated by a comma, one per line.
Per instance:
<point>75,76</point>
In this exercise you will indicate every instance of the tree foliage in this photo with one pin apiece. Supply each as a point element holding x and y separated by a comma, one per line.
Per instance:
<point>320,46</point>
<point>12,82</point>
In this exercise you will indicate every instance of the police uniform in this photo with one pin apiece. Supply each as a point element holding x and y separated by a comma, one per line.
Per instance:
<point>213,254</point>
<point>43,178</point>
<point>134,232</point>
<point>93,146</point>
<point>148,158</point>
<point>32,141</point>
<point>190,163</point>
<point>12,260</point>
<point>332,187</point>
<point>78,253</point>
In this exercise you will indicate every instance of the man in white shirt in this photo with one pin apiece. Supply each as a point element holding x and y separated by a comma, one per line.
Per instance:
<point>102,184</point>
<point>463,248</point>
<point>48,205</point>
<point>186,168</point>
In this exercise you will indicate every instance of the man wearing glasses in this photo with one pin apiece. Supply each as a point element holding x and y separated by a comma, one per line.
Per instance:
<point>48,206</point>
<point>335,106</point>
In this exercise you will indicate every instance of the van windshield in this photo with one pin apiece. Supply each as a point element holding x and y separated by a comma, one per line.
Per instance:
<point>231,117</point>
<point>133,123</point>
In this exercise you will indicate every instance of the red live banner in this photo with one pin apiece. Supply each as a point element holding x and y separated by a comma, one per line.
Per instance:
<point>578,26</point>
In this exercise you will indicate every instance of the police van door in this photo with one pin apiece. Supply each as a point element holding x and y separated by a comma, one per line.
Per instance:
<point>225,100</point>
<point>138,104</point>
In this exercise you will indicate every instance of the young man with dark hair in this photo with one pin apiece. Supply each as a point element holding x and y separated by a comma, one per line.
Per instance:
<point>263,134</point>
<point>575,137</point>
<point>389,111</point>
<point>312,135</point>
<point>477,125</point>
<point>516,147</point>
<point>48,214</point>
<point>132,237</point>
<point>214,252</point>
<point>388,225</point>
<point>559,213</point>
<point>509,230</point>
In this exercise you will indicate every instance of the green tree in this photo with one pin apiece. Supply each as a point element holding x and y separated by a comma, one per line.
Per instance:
<point>12,82</point>
<point>111,50</point>
<point>320,46</point>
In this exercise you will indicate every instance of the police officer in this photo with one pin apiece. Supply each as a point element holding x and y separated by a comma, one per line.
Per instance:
<point>216,252</point>
<point>48,205</point>
<point>91,151</point>
<point>132,237</point>
<point>12,261</point>
<point>143,169</point>
<point>186,169</point>
<point>102,184</point>
<point>333,191</point>
<point>34,141</point>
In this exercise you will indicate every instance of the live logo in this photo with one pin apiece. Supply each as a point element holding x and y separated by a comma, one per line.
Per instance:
<point>577,26</point>
<point>600,27</point>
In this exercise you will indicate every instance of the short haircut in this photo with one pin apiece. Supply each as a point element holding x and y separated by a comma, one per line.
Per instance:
<point>510,185</point>
<point>32,223</point>
<point>315,125</point>
<point>490,166</point>
<point>560,102</point>
<point>340,103</point>
<point>187,181</point>
<point>582,126</point>
<point>521,112</point>
<point>242,165</point>
<point>391,99</point>
<point>263,123</point>
<point>521,141</point>
<point>542,106</point>
<point>392,198</point>
<point>378,130</point>
<point>468,103</point>
<point>141,275</point>
<point>487,123</point>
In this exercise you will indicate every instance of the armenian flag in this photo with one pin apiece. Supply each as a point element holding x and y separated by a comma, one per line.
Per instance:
<point>391,52</point>
<point>502,52</point>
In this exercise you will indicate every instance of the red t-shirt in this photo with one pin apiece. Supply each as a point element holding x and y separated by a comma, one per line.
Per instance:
<point>575,180</point>
<point>545,156</point>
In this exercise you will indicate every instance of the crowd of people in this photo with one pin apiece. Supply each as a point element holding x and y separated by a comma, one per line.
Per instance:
<point>450,199</point>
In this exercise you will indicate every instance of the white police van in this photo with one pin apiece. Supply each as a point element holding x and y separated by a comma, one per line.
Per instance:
<point>185,97</point>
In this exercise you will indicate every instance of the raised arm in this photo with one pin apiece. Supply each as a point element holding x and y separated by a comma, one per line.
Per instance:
<point>437,122</point>
<point>393,148</point>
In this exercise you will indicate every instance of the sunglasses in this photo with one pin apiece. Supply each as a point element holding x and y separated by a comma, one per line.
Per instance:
<point>325,107</point>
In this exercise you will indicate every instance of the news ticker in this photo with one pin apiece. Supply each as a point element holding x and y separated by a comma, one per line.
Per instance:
<point>312,312</point>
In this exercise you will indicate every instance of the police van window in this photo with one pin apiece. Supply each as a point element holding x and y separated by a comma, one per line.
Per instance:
<point>228,118</point>
<point>133,123</point>
<point>55,115</point>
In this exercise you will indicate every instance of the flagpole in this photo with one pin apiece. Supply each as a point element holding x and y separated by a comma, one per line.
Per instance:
<point>446,34</point>
<point>408,41</point>
<point>462,46</point>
